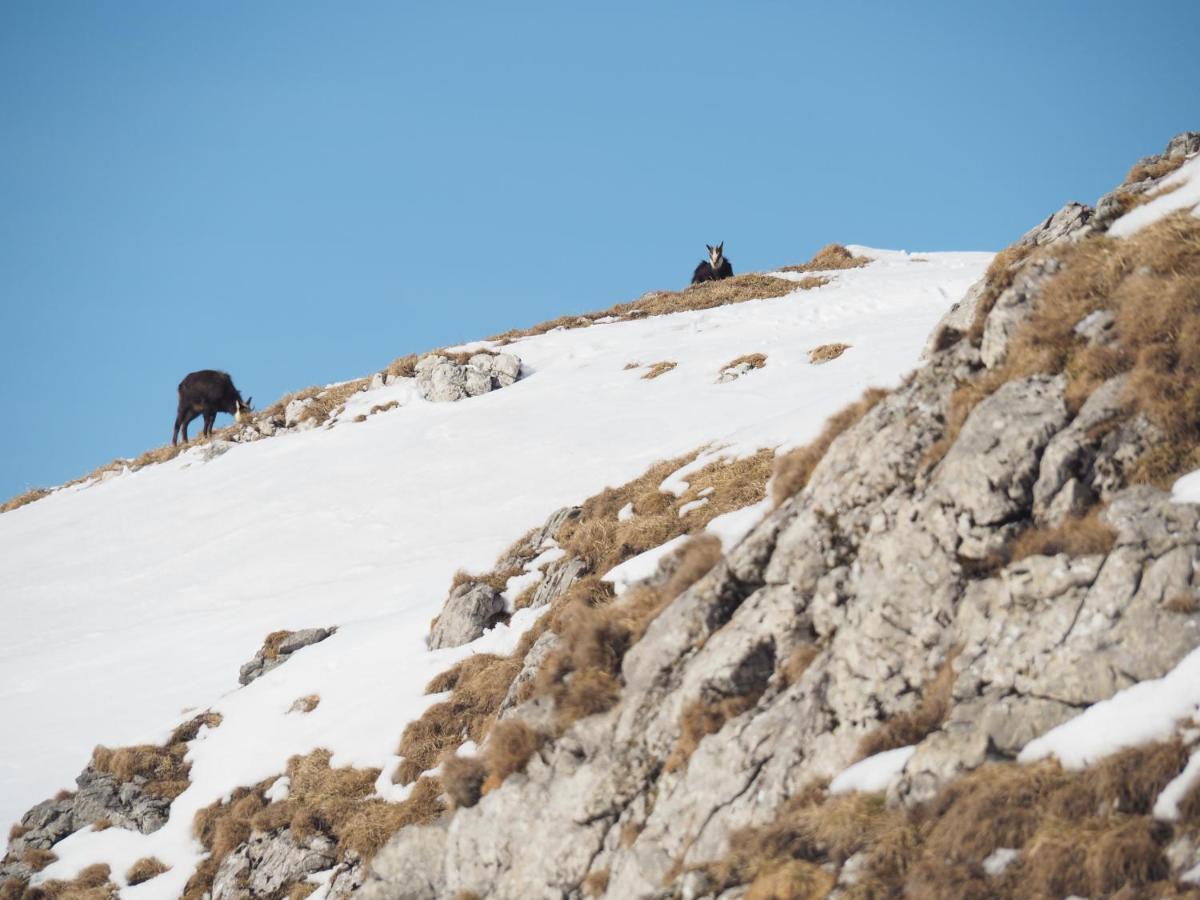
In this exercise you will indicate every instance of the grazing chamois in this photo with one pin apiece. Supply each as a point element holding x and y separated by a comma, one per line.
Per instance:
<point>715,267</point>
<point>206,393</point>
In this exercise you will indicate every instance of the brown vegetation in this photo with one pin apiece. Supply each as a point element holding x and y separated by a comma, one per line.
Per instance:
<point>828,258</point>
<point>336,802</point>
<point>21,499</point>
<point>794,468</point>
<point>826,352</point>
<point>797,662</point>
<point>306,704</point>
<point>1087,833</point>
<point>144,869</point>
<point>701,718</point>
<point>462,779</point>
<point>164,768</point>
<point>1142,171</point>
<point>92,883</point>
<point>659,368</point>
<point>596,883</point>
<point>912,727</point>
<point>753,360</point>
<point>1151,282</point>
<point>37,858</point>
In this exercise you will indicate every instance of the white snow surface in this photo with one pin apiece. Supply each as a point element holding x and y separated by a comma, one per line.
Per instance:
<point>130,603</point>
<point>873,774</point>
<point>1185,196</point>
<point>1148,711</point>
<point>1187,488</point>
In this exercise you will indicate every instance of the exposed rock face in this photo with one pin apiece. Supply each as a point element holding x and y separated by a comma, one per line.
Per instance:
<point>266,863</point>
<point>273,654</point>
<point>470,610</point>
<point>876,563</point>
<point>443,380</point>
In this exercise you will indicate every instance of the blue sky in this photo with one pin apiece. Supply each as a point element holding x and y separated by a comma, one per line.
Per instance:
<point>300,192</point>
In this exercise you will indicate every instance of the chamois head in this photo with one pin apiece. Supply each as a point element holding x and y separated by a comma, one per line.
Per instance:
<point>716,254</point>
<point>242,410</point>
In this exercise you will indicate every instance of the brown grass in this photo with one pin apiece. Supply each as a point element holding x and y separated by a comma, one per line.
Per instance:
<point>306,704</point>
<point>913,727</point>
<point>1157,169</point>
<point>163,767</point>
<point>1088,833</point>
<point>1182,603</point>
<point>479,684</point>
<point>826,352</point>
<point>510,746</point>
<point>701,718</point>
<point>102,825</point>
<point>798,661</point>
<point>829,257</point>
<point>92,883</point>
<point>659,368</point>
<point>336,802</point>
<point>462,778</point>
<point>596,883</point>
<point>1001,273</point>
<point>37,858</point>
<point>21,499</point>
<point>754,360</point>
<point>793,469</point>
<point>144,869</point>
<point>1076,536</point>
<point>1151,282</point>
<point>706,295</point>
<point>18,830</point>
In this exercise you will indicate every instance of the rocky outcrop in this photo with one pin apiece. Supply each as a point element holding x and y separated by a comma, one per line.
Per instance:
<point>471,609</point>
<point>884,570</point>
<point>278,648</point>
<point>441,379</point>
<point>268,863</point>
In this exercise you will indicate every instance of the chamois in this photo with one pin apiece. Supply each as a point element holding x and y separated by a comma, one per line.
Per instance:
<point>715,267</point>
<point>206,393</point>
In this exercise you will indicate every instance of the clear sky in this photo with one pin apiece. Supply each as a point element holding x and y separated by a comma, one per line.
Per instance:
<point>299,192</point>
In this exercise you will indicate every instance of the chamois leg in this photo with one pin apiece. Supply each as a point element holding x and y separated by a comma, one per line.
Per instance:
<point>209,418</point>
<point>182,419</point>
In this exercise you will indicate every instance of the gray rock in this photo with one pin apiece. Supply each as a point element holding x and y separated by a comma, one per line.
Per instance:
<point>409,867</point>
<point>506,368</point>
<point>442,380</point>
<point>1012,308</point>
<point>471,609</point>
<point>265,660</point>
<point>268,862</point>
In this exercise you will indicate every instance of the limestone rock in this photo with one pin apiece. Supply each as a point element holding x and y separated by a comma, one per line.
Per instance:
<point>268,657</point>
<point>269,862</point>
<point>442,380</point>
<point>471,609</point>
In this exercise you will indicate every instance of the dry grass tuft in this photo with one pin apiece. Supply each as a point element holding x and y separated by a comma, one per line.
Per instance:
<point>793,469</point>
<point>37,858</point>
<point>479,684</point>
<point>753,360</point>
<point>164,768</point>
<point>306,704</point>
<point>510,746</point>
<point>999,277</point>
<point>596,883</point>
<point>21,499</point>
<point>102,825</point>
<point>1182,603</point>
<point>1076,536</point>
<point>798,661</point>
<point>826,352</point>
<point>462,778</point>
<point>828,258</point>
<point>632,365</point>
<point>189,729</point>
<point>336,802</point>
<point>701,718</point>
<point>144,869</point>
<point>912,727</point>
<point>18,830</point>
<point>1142,171</point>
<point>659,368</point>
<point>92,883</point>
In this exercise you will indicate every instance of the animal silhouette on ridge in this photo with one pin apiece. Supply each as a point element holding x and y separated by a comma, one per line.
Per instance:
<point>715,267</point>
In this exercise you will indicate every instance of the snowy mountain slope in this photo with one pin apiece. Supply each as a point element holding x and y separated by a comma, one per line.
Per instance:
<point>132,601</point>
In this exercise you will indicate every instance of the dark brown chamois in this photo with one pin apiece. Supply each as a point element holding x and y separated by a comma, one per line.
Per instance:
<point>206,393</point>
<point>715,267</point>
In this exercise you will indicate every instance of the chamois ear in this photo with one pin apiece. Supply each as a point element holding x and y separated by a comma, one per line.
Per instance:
<point>708,248</point>
<point>721,247</point>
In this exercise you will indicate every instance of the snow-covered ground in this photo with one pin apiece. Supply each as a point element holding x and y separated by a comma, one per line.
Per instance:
<point>129,605</point>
